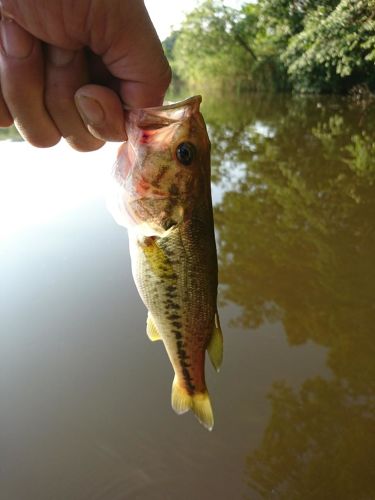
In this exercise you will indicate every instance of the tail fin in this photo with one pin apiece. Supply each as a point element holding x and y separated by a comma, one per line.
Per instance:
<point>200,403</point>
<point>203,410</point>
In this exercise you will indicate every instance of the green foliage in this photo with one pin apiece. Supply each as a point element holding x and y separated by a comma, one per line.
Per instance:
<point>214,45</point>
<point>361,156</point>
<point>284,18</point>
<point>335,49</point>
<point>169,43</point>
<point>304,45</point>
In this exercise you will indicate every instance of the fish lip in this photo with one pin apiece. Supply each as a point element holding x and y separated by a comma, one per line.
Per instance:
<point>165,107</point>
<point>161,117</point>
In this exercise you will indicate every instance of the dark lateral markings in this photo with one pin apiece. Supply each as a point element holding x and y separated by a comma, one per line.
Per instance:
<point>184,358</point>
<point>173,305</point>
<point>175,318</point>
<point>172,276</point>
<point>177,334</point>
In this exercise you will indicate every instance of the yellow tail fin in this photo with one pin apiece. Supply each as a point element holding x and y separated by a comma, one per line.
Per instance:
<point>203,410</point>
<point>200,403</point>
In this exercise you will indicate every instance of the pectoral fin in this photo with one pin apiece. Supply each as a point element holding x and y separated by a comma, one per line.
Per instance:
<point>157,260</point>
<point>151,329</point>
<point>215,347</point>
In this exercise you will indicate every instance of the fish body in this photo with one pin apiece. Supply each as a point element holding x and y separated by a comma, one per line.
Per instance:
<point>163,197</point>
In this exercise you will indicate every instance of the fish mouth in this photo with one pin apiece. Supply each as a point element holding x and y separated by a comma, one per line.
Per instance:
<point>160,117</point>
<point>196,99</point>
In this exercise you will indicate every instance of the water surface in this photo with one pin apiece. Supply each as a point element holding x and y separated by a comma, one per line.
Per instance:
<point>85,397</point>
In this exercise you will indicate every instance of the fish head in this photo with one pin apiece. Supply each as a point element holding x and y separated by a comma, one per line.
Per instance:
<point>164,167</point>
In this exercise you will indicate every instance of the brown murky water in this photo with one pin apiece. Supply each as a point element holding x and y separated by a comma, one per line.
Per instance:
<point>85,397</point>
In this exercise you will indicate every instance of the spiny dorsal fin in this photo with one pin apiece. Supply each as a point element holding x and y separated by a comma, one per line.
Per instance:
<point>151,329</point>
<point>215,346</point>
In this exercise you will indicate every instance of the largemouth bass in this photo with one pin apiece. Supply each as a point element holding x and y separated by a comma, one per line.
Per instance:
<point>163,198</point>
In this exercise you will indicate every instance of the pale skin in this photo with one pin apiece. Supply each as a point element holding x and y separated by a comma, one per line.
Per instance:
<point>68,68</point>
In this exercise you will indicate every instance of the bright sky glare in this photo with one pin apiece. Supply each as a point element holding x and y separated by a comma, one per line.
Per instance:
<point>167,14</point>
<point>38,185</point>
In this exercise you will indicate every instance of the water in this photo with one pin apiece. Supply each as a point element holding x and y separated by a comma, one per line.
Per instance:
<point>85,397</point>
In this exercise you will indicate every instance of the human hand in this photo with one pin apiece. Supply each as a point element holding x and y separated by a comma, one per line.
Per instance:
<point>68,66</point>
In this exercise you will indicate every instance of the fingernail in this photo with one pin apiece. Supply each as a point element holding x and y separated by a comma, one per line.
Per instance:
<point>60,57</point>
<point>16,42</point>
<point>90,110</point>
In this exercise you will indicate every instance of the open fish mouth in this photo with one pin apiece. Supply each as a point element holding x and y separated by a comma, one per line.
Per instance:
<point>196,100</point>
<point>153,119</point>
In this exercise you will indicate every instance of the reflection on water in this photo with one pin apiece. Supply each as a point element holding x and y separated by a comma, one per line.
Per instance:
<point>84,396</point>
<point>297,245</point>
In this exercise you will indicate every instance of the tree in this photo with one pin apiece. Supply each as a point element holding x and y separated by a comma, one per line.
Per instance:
<point>215,45</point>
<point>336,48</point>
<point>300,45</point>
<point>319,443</point>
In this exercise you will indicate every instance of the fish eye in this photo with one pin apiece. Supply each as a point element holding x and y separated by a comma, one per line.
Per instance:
<point>185,153</point>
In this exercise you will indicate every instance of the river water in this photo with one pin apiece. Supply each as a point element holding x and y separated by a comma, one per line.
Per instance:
<point>85,396</point>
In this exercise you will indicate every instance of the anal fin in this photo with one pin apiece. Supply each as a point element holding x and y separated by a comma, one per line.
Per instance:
<point>215,346</point>
<point>151,329</point>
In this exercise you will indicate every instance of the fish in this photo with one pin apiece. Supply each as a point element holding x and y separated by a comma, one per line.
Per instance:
<point>162,195</point>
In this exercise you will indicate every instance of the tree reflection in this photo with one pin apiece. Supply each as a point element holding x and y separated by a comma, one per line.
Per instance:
<point>318,444</point>
<point>296,231</point>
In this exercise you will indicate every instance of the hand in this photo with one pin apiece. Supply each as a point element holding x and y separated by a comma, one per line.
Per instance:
<point>67,67</point>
